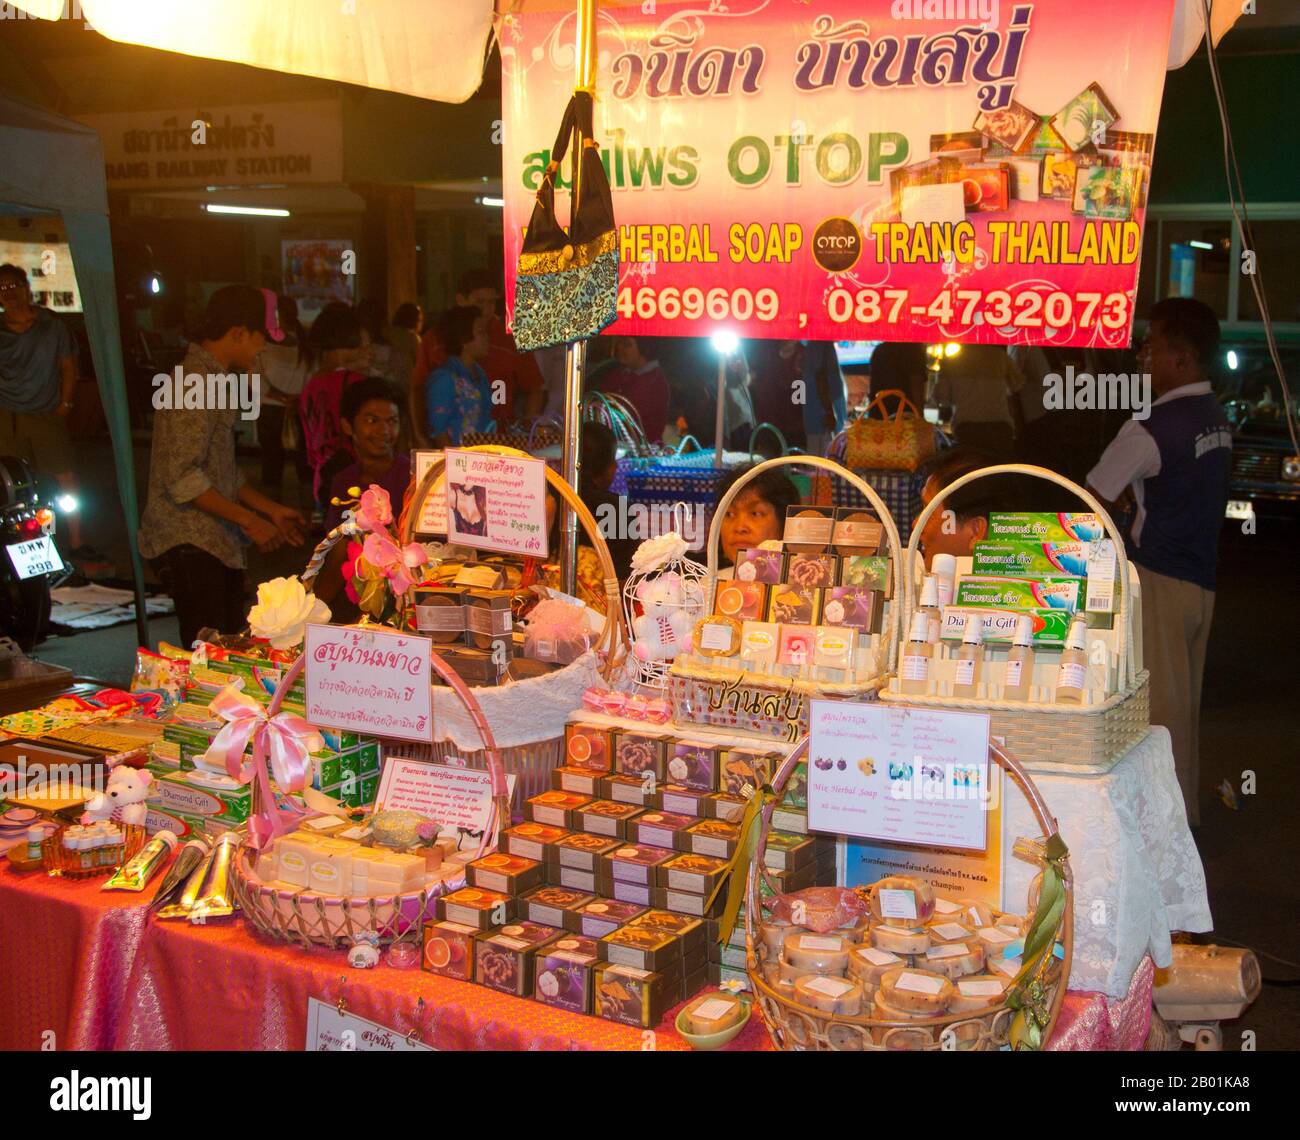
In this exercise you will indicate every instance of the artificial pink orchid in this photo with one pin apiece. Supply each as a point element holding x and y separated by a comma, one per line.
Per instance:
<point>375,511</point>
<point>393,561</point>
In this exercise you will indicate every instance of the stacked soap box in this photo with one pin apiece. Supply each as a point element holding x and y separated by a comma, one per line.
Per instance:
<point>598,901</point>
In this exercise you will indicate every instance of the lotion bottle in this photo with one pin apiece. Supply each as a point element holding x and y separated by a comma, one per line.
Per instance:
<point>930,607</point>
<point>944,569</point>
<point>1072,676</point>
<point>914,675</point>
<point>1019,672</point>
<point>970,657</point>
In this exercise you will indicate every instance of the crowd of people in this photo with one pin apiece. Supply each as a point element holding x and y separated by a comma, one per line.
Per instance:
<point>344,400</point>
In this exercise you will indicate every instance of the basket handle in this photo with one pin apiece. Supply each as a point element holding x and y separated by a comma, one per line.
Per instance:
<point>1127,668</point>
<point>776,431</point>
<point>904,405</point>
<point>614,637</point>
<point>887,520</point>
<point>500,799</point>
<point>1004,759</point>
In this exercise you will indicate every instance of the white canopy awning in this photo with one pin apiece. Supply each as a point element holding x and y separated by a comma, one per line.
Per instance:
<point>1189,26</point>
<point>433,49</point>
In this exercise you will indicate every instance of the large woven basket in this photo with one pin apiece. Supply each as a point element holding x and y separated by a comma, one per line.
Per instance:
<point>1046,735</point>
<point>799,1028</point>
<point>311,918</point>
<point>734,700</point>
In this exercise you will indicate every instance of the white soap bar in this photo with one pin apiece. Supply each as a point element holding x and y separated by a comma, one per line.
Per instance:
<point>994,939</point>
<point>830,995</point>
<point>917,990</point>
<point>1008,966</point>
<point>946,908</point>
<point>900,941</point>
<point>868,965</point>
<point>772,936</point>
<point>292,865</point>
<point>888,1011</point>
<point>818,954</point>
<point>978,914</point>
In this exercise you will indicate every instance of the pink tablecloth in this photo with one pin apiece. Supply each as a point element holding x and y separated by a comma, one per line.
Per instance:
<point>87,967</point>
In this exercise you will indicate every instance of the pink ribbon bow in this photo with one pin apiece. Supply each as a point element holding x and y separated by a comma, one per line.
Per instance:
<point>288,741</point>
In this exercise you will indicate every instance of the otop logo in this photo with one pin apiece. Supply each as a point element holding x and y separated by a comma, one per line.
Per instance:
<point>837,245</point>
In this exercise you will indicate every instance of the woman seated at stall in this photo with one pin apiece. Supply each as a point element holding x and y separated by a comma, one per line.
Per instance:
<point>756,515</point>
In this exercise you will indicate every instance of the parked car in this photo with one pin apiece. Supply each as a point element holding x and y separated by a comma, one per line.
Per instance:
<point>1265,466</point>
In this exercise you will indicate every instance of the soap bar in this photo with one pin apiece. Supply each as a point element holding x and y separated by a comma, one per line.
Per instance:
<point>808,530</point>
<point>852,607</point>
<point>830,995</point>
<point>994,939</point>
<point>713,1013</point>
<point>794,605</point>
<point>900,941</point>
<point>977,992</point>
<point>636,753</point>
<point>532,840</point>
<point>741,601</point>
<point>588,746</point>
<point>919,991</point>
<point>811,571</point>
<point>887,1011</point>
<point>694,764</point>
<point>818,953</point>
<point>509,874</point>
<point>754,564</point>
<point>758,644</point>
<point>717,636</point>
<point>977,915</point>
<point>788,974</point>
<point>607,818</point>
<point>868,964</point>
<point>941,932</point>
<point>772,936</point>
<point>954,959</point>
<point>902,901</point>
<point>449,950</point>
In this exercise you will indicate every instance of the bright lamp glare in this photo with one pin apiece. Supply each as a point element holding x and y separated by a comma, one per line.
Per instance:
<point>951,349</point>
<point>155,286</point>
<point>725,342</point>
<point>249,211</point>
<point>1232,360</point>
<point>67,503</point>
<point>1200,245</point>
<point>488,201</point>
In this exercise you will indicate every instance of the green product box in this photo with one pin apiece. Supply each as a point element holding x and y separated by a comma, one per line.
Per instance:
<point>350,765</point>
<point>369,790</point>
<point>870,571</point>
<point>1046,526</point>
<point>796,787</point>
<point>179,793</point>
<point>1045,592</point>
<point>339,741</point>
<point>327,769</point>
<point>369,754</point>
<point>1019,558</point>
<point>1050,626</point>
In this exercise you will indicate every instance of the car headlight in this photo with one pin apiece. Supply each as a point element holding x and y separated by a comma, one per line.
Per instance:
<point>1291,467</point>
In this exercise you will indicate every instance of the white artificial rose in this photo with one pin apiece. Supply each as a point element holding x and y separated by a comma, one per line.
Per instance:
<point>283,611</point>
<point>656,552</point>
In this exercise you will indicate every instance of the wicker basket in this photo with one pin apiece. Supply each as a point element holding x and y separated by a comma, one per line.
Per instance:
<point>308,917</point>
<point>1050,735</point>
<point>797,1027</point>
<point>734,700</point>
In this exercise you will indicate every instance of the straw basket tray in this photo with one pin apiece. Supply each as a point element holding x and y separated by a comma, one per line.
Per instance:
<point>312,918</point>
<point>798,1028</point>
<point>728,699</point>
<point>1044,736</point>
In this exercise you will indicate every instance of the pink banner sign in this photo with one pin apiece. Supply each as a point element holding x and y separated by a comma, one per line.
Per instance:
<point>907,170</point>
<point>369,680</point>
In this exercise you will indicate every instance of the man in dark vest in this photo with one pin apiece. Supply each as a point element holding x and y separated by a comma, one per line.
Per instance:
<point>1172,470</point>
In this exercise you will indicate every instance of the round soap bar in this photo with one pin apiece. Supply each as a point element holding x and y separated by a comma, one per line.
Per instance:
<point>944,932</point>
<point>978,992</point>
<point>902,901</point>
<point>917,991</point>
<point>858,933</point>
<point>868,965</point>
<point>976,915</point>
<point>712,1013</point>
<point>995,939</point>
<point>954,959</point>
<point>830,995</point>
<point>887,1011</point>
<point>790,974</point>
<point>900,941</point>
<point>818,953</point>
<point>771,936</point>
<point>1018,923</point>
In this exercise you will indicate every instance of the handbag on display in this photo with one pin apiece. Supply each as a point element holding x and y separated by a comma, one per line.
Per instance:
<point>900,443</point>
<point>566,287</point>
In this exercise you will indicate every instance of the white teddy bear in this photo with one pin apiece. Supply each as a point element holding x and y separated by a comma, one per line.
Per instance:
<point>122,800</point>
<point>663,629</point>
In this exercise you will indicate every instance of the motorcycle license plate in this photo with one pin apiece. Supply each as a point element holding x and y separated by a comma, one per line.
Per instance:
<point>39,556</point>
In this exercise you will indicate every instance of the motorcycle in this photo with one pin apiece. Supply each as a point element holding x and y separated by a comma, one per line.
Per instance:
<point>32,563</point>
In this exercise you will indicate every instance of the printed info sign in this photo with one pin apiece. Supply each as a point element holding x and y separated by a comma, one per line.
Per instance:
<point>972,170</point>
<point>452,796</point>
<point>369,680</point>
<point>496,502</point>
<point>907,775</point>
